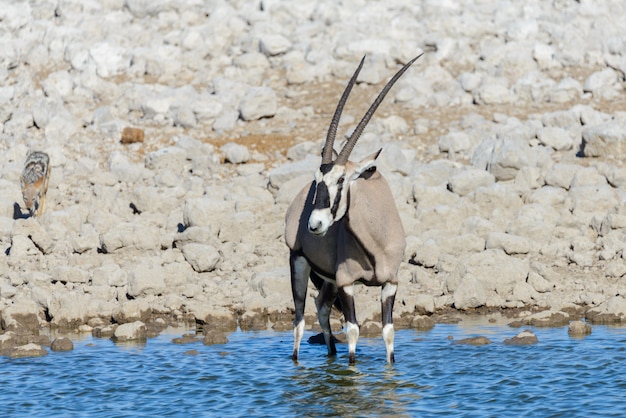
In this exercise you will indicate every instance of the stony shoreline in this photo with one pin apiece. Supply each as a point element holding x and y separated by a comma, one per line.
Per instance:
<point>504,147</point>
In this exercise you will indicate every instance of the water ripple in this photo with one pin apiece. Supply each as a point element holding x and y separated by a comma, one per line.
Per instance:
<point>253,375</point>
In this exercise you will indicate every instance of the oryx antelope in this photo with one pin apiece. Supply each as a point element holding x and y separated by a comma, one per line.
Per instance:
<point>344,227</point>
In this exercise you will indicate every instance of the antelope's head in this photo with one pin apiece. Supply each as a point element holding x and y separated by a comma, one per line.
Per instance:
<point>334,177</point>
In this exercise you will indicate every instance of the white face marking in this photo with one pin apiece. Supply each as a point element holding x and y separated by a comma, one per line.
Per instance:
<point>330,199</point>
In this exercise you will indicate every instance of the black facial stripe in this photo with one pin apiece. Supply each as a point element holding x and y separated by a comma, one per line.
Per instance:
<point>333,210</point>
<point>325,168</point>
<point>322,197</point>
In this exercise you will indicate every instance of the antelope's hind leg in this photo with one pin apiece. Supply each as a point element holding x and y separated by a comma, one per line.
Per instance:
<point>388,298</point>
<point>346,294</point>
<point>300,271</point>
<point>324,302</point>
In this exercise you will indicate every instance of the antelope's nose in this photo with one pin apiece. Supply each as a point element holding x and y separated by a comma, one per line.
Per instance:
<point>318,224</point>
<point>315,225</point>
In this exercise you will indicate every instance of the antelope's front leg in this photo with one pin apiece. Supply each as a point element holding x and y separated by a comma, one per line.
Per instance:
<point>387,299</point>
<point>324,302</point>
<point>300,270</point>
<point>346,295</point>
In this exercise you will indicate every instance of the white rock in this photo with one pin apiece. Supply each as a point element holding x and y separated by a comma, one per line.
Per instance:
<point>272,44</point>
<point>131,331</point>
<point>109,274</point>
<point>202,257</point>
<point>283,173</point>
<point>510,244</point>
<point>561,175</point>
<point>235,153</point>
<point>556,138</point>
<point>146,279</point>
<point>205,212</point>
<point>110,59</point>
<point>469,294</point>
<point>130,235</point>
<point>259,102</point>
<point>604,140</point>
<point>454,142</point>
<point>69,274</point>
<point>602,83</point>
<point>466,181</point>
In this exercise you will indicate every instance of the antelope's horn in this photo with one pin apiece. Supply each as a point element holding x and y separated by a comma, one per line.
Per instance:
<point>347,149</point>
<point>327,151</point>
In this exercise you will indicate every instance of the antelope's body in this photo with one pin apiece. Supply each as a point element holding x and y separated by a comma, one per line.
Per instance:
<point>344,228</point>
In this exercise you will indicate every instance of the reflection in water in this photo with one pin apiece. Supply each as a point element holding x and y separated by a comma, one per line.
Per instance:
<point>367,388</point>
<point>253,375</point>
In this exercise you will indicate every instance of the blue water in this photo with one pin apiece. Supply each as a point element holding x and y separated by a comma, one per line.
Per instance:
<point>253,375</point>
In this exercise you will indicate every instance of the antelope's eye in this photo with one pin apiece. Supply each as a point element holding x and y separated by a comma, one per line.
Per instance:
<point>340,181</point>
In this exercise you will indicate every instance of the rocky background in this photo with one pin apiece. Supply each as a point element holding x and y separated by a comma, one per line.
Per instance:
<point>503,144</point>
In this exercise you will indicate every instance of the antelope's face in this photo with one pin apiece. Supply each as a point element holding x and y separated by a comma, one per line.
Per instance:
<point>332,182</point>
<point>329,202</point>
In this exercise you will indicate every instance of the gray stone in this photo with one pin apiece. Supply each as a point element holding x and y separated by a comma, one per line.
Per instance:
<point>131,311</point>
<point>62,344</point>
<point>22,317</point>
<point>475,341</point>
<point>611,311</point>
<point>28,350</point>
<point>578,329</point>
<point>523,338</point>
<point>132,331</point>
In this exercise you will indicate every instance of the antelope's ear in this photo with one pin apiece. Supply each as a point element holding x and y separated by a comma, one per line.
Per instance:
<point>365,164</point>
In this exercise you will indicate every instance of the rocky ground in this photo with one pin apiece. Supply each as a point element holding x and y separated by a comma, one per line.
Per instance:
<point>503,144</point>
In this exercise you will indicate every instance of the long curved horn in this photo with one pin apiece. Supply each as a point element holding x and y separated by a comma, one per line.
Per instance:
<point>347,149</point>
<point>327,151</point>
